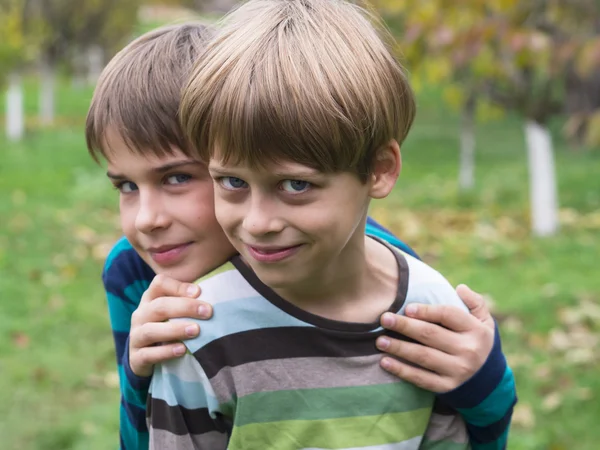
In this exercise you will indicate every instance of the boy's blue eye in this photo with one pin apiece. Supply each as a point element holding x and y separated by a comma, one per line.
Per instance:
<point>295,186</point>
<point>126,187</point>
<point>178,178</point>
<point>233,183</point>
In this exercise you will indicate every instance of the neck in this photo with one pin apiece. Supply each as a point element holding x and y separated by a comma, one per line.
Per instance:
<point>357,286</point>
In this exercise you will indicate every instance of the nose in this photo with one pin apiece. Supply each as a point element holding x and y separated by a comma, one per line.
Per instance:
<point>262,217</point>
<point>151,214</point>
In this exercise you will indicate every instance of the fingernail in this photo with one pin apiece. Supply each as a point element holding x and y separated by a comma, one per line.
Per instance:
<point>388,320</point>
<point>192,290</point>
<point>191,330</point>
<point>411,309</point>
<point>203,311</point>
<point>179,350</point>
<point>386,363</point>
<point>383,343</point>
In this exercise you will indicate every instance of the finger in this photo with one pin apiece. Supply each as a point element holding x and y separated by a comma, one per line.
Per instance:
<point>420,355</point>
<point>420,377</point>
<point>163,286</point>
<point>151,334</point>
<point>165,308</point>
<point>149,356</point>
<point>429,334</point>
<point>475,302</point>
<point>451,317</point>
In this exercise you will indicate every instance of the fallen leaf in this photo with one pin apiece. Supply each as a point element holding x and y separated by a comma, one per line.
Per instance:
<point>523,416</point>
<point>552,401</point>
<point>20,339</point>
<point>111,379</point>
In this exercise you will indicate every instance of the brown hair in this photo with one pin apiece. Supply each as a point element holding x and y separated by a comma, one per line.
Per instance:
<point>311,81</point>
<point>139,91</point>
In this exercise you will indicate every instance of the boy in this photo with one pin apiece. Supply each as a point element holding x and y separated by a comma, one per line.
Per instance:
<point>132,124</point>
<point>300,109</point>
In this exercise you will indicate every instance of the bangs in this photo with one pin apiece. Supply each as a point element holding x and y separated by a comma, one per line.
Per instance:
<point>309,82</point>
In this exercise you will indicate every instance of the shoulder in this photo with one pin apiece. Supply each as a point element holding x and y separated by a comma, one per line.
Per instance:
<point>125,273</point>
<point>225,284</point>
<point>427,285</point>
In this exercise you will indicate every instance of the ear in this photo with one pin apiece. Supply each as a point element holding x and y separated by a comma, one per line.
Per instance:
<point>388,163</point>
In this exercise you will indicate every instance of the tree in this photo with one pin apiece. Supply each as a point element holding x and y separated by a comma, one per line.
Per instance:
<point>515,53</point>
<point>13,53</point>
<point>68,27</point>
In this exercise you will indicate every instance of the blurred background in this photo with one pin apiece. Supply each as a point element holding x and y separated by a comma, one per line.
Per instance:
<point>500,189</point>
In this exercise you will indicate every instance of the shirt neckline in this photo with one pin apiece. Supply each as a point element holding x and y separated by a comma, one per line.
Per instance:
<point>319,321</point>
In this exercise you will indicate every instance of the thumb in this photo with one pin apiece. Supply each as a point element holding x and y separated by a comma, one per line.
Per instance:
<point>474,302</point>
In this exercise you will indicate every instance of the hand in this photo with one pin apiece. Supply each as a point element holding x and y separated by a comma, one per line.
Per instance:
<point>453,344</point>
<point>152,339</point>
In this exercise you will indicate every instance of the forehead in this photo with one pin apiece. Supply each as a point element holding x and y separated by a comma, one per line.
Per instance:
<point>118,152</point>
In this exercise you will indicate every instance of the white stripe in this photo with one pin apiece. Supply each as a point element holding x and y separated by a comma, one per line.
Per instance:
<point>411,444</point>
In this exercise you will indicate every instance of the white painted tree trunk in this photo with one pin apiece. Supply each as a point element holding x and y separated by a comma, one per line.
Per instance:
<point>95,60</point>
<point>15,116</point>
<point>466,175</point>
<point>543,190</point>
<point>47,85</point>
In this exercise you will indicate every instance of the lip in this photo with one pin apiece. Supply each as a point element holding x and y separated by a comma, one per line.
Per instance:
<point>168,254</point>
<point>272,254</point>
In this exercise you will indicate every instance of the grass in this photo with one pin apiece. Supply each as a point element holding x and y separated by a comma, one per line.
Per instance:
<point>58,388</point>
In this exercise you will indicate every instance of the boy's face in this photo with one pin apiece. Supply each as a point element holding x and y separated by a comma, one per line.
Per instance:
<point>167,211</point>
<point>289,222</point>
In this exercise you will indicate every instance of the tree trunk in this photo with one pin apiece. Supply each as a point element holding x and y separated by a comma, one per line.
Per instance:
<point>15,117</point>
<point>47,85</point>
<point>466,175</point>
<point>543,191</point>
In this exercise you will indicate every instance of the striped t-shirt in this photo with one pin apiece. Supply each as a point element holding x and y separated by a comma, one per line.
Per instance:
<point>265,374</point>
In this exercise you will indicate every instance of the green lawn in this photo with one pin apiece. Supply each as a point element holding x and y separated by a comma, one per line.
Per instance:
<point>59,215</point>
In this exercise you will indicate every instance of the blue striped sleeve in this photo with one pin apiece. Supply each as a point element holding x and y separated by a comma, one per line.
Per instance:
<point>486,401</point>
<point>379,231</point>
<point>125,278</point>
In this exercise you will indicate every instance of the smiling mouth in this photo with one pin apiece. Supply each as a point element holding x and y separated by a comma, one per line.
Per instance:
<point>272,254</point>
<point>168,254</point>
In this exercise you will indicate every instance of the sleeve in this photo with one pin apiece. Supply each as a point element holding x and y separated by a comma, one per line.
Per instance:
<point>486,401</point>
<point>125,278</point>
<point>377,230</point>
<point>182,409</point>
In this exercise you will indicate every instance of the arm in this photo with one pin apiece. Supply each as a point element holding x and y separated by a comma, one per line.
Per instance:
<point>124,280</point>
<point>478,353</point>
<point>183,412</point>
<point>474,378</point>
<point>137,321</point>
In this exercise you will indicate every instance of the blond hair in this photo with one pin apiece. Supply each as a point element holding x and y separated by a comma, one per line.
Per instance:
<point>311,81</point>
<point>139,91</point>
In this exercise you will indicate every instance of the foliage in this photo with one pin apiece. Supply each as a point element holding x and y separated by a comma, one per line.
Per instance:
<point>516,53</point>
<point>68,25</point>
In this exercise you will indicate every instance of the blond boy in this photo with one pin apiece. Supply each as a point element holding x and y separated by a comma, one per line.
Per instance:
<point>299,108</point>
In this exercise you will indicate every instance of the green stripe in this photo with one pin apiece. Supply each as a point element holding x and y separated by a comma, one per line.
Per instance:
<point>443,445</point>
<point>331,433</point>
<point>224,268</point>
<point>330,403</point>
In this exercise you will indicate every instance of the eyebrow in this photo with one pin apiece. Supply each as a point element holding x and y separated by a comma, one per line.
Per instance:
<point>278,174</point>
<point>160,169</point>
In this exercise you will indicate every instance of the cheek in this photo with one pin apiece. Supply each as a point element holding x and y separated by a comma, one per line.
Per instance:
<point>227,215</point>
<point>127,214</point>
